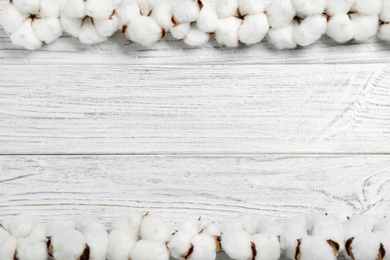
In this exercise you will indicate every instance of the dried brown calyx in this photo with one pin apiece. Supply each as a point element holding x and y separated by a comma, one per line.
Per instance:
<point>381,23</point>
<point>218,245</point>
<point>254,251</point>
<point>189,253</point>
<point>49,246</point>
<point>348,247</point>
<point>112,15</point>
<point>335,246</point>
<point>86,253</point>
<point>16,255</point>
<point>298,249</point>
<point>87,18</point>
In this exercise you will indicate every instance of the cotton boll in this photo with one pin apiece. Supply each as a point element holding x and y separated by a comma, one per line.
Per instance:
<point>31,249</point>
<point>180,31</point>
<point>67,244</point>
<point>8,246</point>
<point>280,13</point>
<point>144,30</point>
<point>248,222</point>
<point>253,28</point>
<point>130,222</point>
<point>227,8</point>
<point>312,247</point>
<point>359,224</point>
<point>27,6</point>
<point>227,31</point>
<point>196,37</point>
<point>208,19</point>
<point>340,28</point>
<point>291,232</point>
<point>88,33</point>
<point>20,225</point>
<point>71,25</point>
<point>162,14</point>
<point>180,244</point>
<point>363,246</point>
<point>372,7</point>
<point>47,30</point>
<point>309,7</point>
<point>127,11</point>
<point>38,232</point>
<point>384,238</point>
<point>149,250</point>
<point>99,9</point>
<point>106,27</point>
<point>335,7</point>
<point>73,9</point>
<point>155,229</point>
<point>97,240</point>
<point>365,26</point>
<point>251,7</point>
<point>268,225</point>
<point>236,242</point>
<point>211,229</point>
<point>385,14</point>
<point>282,38</point>
<point>120,245</point>
<point>50,9</point>
<point>10,18</point>
<point>185,11</point>
<point>331,231</point>
<point>204,248</point>
<point>309,30</point>
<point>267,246</point>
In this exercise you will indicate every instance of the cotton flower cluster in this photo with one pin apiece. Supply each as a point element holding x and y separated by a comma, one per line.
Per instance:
<point>23,238</point>
<point>251,236</point>
<point>31,23</point>
<point>384,27</point>
<point>352,19</point>
<point>139,236</point>
<point>317,236</point>
<point>195,240</point>
<point>82,238</point>
<point>241,21</point>
<point>367,237</point>
<point>92,21</point>
<point>296,22</point>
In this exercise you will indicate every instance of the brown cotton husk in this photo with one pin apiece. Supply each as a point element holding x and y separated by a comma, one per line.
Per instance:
<point>86,253</point>
<point>335,246</point>
<point>382,252</point>
<point>348,247</point>
<point>298,250</point>
<point>218,245</point>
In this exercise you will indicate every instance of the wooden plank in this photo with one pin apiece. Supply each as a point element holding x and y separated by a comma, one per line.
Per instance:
<point>118,50</point>
<point>177,187</point>
<point>194,109</point>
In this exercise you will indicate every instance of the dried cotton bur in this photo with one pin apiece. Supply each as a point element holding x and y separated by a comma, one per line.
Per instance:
<point>144,21</point>
<point>366,238</point>
<point>195,239</point>
<point>80,239</point>
<point>241,21</point>
<point>317,236</point>
<point>31,23</point>
<point>384,24</point>
<point>22,238</point>
<point>251,237</point>
<point>92,21</point>
<point>352,19</point>
<point>139,236</point>
<point>295,23</point>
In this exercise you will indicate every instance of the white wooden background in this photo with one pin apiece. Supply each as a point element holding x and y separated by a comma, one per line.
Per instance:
<point>181,131</point>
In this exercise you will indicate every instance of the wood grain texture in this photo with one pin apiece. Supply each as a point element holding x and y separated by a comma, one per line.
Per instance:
<point>194,109</point>
<point>176,187</point>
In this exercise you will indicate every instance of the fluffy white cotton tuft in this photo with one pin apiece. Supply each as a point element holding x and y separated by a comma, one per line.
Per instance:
<point>208,19</point>
<point>282,38</point>
<point>280,13</point>
<point>31,249</point>
<point>309,7</point>
<point>251,7</point>
<point>196,37</point>
<point>364,246</point>
<point>314,247</point>
<point>372,7</point>
<point>155,229</point>
<point>67,244</point>
<point>309,30</point>
<point>180,244</point>
<point>149,250</point>
<point>385,14</point>
<point>334,7</point>
<point>99,9</point>
<point>227,31</point>
<point>365,26</point>
<point>235,241</point>
<point>186,11</point>
<point>204,247</point>
<point>162,14</point>
<point>88,33</point>
<point>253,29</point>
<point>340,28</point>
<point>144,30</point>
<point>267,246</point>
<point>227,8</point>
<point>180,31</point>
<point>120,245</point>
<point>10,18</point>
<point>27,6</point>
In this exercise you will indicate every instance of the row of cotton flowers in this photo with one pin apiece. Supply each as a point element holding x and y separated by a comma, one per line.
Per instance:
<point>142,236</point>
<point>285,23</point>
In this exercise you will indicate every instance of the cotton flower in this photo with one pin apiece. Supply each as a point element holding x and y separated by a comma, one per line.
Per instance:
<point>195,240</point>
<point>82,238</point>
<point>364,246</point>
<point>31,24</point>
<point>23,238</point>
<point>139,236</point>
<point>92,21</point>
<point>384,27</point>
<point>251,236</point>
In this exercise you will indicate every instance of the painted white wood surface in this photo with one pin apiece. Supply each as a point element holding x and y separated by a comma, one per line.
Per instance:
<point>118,109</point>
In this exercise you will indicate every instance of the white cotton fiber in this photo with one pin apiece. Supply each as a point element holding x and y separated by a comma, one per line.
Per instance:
<point>309,7</point>
<point>88,33</point>
<point>120,245</point>
<point>196,37</point>
<point>127,10</point>
<point>99,9</point>
<point>73,9</point>
<point>253,29</point>
<point>186,11</point>
<point>10,18</point>
<point>335,7</point>
<point>68,244</point>
<point>251,7</point>
<point>71,25</point>
<point>155,229</point>
<point>49,9</point>
<point>340,28</point>
<point>149,250</point>
<point>8,246</point>
<point>365,246</point>
<point>236,242</point>
<point>180,31</point>
<point>179,244</point>
<point>227,8</point>
<point>372,7</point>
<point>227,31</point>
<point>267,246</point>
<point>27,6</point>
<point>365,26</point>
<point>25,37</point>
<point>106,27</point>
<point>280,13</point>
<point>204,247</point>
<point>282,38</point>
<point>385,13</point>
<point>313,247</point>
<point>47,30</point>
<point>31,249</point>
<point>309,30</point>
<point>162,14</point>
<point>207,20</point>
